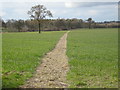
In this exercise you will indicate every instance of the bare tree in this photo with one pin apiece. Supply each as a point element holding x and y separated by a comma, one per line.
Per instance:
<point>39,12</point>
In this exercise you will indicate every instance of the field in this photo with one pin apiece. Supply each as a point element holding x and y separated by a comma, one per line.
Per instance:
<point>22,53</point>
<point>93,58</point>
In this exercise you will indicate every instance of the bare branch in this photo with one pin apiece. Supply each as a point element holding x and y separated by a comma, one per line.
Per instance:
<point>39,12</point>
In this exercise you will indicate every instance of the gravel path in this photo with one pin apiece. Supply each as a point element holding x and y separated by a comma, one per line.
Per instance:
<point>53,69</point>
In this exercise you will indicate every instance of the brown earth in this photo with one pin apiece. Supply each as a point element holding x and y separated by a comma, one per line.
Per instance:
<point>53,69</point>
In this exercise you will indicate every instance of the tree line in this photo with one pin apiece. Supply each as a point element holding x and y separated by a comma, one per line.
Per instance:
<point>53,25</point>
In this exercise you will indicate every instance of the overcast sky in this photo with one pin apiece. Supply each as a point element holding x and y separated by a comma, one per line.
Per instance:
<point>99,11</point>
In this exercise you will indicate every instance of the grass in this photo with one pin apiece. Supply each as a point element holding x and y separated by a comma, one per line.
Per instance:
<point>22,53</point>
<point>93,58</point>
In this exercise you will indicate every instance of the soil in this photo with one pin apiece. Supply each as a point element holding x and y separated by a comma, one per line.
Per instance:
<point>51,73</point>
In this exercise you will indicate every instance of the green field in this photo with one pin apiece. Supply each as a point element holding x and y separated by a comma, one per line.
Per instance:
<point>21,53</point>
<point>93,58</point>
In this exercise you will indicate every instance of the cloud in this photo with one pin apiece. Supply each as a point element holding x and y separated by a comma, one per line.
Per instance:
<point>20,12</point>
<point>98,11</point>
<point>87,4</point>
<point>59,1</point>
<point>93,12</point>
<point>2,13</point>
<point>70,5</point>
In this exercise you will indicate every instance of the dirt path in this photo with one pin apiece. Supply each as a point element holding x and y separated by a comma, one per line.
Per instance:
<point>52,72</point>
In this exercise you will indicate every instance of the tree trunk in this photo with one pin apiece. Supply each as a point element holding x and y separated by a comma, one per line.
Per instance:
<point>89,25</point>
<point>39,27</point>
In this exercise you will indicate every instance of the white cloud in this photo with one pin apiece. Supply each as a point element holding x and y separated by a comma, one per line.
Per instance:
<point>59,1</point>
<point>69,4</point>
<point>92,12</point>
<point>87,4</point>
<point>2,13</point>
<point>18,10</point>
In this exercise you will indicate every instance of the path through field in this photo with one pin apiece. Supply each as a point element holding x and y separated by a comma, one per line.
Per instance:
<point>53,69</point>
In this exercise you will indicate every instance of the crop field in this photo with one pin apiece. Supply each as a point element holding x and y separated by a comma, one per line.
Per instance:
<point>92,54</point>
<point>93,58</point>
<point>21,53</point>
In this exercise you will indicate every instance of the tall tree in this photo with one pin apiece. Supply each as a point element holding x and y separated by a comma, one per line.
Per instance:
<point>39,12</point>
<point>89,21</point>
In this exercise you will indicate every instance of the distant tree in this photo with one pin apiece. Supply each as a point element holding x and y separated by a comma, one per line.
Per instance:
<point>39,12</point>
<point>60,24</point>
<point>2,23</point>
<point>31,25</point>
<point>75,23</point>
<point>80,23</point>
<point>10,24</point>
<point>19,24</point>
<point>89,21</point>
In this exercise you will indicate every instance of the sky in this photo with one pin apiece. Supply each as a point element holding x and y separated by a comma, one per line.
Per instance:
<point>106,10</point>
